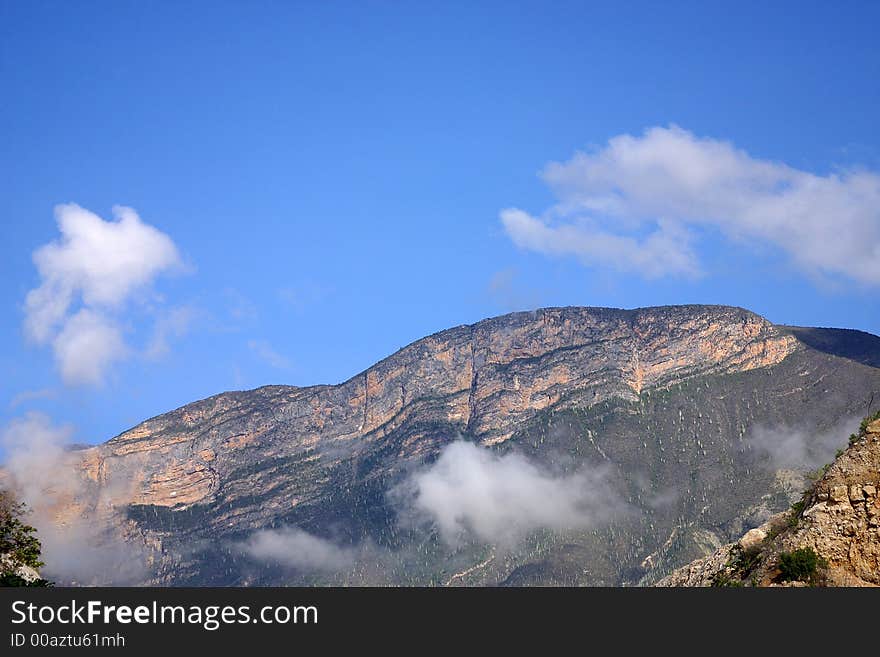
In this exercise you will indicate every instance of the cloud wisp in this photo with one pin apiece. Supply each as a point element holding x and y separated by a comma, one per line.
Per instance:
<point>295,548</point>
<point>42,470</point>
<point>173,323</point>
<point>638,205</point>
<point>798,448</point>
<point>86,277</point>
<point>471,491</point>
<point>264,351</point>
<point>507,291</point>
<point>27,396</point>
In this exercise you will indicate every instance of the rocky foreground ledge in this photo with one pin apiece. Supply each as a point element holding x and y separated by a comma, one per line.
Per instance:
<point>838,521</point>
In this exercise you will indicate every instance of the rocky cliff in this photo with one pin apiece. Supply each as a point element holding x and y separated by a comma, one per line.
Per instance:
<point>837,520</point>
<point>665,399</point>
<point>485,380</point>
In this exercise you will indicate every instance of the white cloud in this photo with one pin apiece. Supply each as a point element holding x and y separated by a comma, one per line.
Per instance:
<point>630,205</point>
<point>664,251</point>
<point>44,473</point>
<point>86,347</point>
<point>783,447</point>
<point>499,499</point>
<point>96,266</point>
<point>265,352</point>
<point>33,447</point>
<point>294,547</point>
<point>26,396</point>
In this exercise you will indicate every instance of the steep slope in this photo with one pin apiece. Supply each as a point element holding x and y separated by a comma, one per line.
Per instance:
<point>838,520</point>
<point>847,343</point>
<point>667,400</point>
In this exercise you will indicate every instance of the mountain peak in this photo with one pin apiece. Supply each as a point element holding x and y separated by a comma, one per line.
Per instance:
<point>484,367</point>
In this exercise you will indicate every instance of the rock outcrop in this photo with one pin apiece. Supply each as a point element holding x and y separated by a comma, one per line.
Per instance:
<point>28,574</point>
<point>838,520</point>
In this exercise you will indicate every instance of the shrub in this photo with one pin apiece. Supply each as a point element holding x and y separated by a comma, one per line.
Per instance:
<point>11,579</point>
<point>796,510</point>
<point>725,579</point>
<point>863,427</point>
<point>746,561</point>
<point>818,473</point>
<point>800,565</point>
<point>18,542</point>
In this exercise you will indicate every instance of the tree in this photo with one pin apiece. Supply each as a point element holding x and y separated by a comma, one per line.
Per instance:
<point>19,545</point>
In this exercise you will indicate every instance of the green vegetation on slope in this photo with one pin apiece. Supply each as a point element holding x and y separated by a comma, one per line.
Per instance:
<point>19,545</point>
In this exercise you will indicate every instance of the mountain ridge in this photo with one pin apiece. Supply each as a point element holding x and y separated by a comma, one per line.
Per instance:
<point>661,396</point>
<point>626,313</point>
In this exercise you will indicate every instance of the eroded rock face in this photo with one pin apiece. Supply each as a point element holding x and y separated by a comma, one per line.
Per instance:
<point>700,572</point>
<point>484,379</point>
<point>840,522</point>
<point>654,392</point>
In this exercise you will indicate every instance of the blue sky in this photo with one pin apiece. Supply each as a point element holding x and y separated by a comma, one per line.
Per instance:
<point>320,184</point>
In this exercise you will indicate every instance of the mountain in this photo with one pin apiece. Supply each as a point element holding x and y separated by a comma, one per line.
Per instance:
<point>686,425</point>
<point>832,533</point>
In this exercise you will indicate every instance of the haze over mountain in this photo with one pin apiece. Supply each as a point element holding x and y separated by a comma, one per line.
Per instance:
<point>587,446</point>
<point>835,527</point>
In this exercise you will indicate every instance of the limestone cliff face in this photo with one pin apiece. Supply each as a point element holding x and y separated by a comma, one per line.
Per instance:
<point>839,519</point>
<point>842,519</point>
<point>663,395</point>
<point>485,380</point>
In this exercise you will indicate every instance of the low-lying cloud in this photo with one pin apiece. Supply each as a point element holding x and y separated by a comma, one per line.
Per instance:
<point>85,278</point>
<point>638,203</point>
<point>293,547</point>
<point>41,470</point>
<point>798,448</point>
<point>470,491</point>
